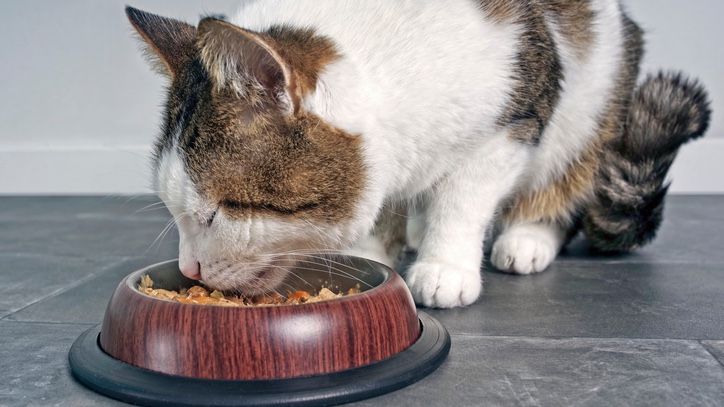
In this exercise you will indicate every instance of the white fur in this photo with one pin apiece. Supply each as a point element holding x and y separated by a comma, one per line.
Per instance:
<point>458,211</point>
<point>527,248</point>
<point>422,83</point>
<point>415,228</point>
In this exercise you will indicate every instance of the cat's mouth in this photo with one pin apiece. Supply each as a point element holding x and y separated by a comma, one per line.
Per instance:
<point>245,277</point>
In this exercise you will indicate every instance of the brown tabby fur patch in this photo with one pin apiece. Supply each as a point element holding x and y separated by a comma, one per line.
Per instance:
<point>557,202</point>
<point>302,53</point>
<point>538,71</point>
<point>274,164</point>
<point>575,18</point>
<point>307,52</point>
<point>249,156</point>
<point>560,201</point>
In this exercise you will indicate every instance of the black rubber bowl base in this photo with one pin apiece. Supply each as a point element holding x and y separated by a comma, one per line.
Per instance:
<point>102,373</point>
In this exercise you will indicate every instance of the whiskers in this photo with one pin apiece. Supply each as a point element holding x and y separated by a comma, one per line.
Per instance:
<point>284,271</point>
<point>150,207</point>
<point>164,231</point>
<point>327,261</point>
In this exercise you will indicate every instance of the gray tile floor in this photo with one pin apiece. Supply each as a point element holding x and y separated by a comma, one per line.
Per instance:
<point>641,329</point>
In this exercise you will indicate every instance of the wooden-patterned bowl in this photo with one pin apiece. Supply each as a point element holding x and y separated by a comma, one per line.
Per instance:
<point>263,342</point>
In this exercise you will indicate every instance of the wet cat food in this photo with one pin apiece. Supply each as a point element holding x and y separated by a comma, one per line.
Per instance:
<point>199,294</point>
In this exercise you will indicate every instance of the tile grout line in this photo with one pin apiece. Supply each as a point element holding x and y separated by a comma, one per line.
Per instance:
<point>50,323</point>
<point>57,256</point>
<point>64,289</point>
<point>474,335</point>
<point>486,269</point>
<point>52,294</point>
<point>706,348</point>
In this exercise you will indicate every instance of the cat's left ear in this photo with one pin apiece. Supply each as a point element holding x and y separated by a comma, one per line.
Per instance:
<point>168,43</point>
<point>241,60</point>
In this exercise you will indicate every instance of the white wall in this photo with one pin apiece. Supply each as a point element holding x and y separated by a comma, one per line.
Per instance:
<point>79,107</point>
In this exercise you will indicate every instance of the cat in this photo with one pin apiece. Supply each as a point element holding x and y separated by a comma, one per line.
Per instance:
<point>371,125</point>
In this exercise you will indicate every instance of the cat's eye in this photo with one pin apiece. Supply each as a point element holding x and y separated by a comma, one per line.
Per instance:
<point>269,207</point>
<point>211,218</point>
<point>229,204</point>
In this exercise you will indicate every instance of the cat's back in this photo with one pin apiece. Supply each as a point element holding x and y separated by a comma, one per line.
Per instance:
<point>421,34</point>
<point>422,66</point>
<point>425,61</point>
<point>370,26</point>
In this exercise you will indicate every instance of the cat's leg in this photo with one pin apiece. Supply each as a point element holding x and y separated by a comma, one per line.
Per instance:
<point>528,247</point>
<point>536,223</point>
<point>458,211</point>
<point>415,229</point>
<point>385,241</point>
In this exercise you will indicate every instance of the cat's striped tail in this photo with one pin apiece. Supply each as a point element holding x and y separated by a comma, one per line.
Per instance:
<point>666,111</point>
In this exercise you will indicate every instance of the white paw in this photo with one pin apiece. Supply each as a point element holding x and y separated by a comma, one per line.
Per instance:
<point>438,285</point>
<point>523,252</point>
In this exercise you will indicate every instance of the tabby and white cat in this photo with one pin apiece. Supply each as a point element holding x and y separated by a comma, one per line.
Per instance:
<point>365,125</point>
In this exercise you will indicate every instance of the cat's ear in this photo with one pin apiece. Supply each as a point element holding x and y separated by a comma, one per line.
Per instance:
<point>168,43</point>
<point>240,60</point>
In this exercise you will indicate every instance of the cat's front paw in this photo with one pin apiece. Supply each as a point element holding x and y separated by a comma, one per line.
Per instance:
<point>438,285</point>
<point>523,253</point>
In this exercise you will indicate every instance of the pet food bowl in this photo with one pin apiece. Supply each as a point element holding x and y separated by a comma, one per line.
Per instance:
<point>153,351</point>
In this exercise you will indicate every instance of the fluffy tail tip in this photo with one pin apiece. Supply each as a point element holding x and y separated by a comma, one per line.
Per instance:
<point>667,110</point>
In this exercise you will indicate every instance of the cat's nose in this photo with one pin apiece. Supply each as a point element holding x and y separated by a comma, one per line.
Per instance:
<point>191,270</point>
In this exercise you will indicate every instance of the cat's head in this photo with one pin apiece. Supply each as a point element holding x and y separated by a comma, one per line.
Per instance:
<point>247,172</point>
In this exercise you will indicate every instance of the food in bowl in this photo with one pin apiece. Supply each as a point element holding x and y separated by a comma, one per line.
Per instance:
<point>198,294</point>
